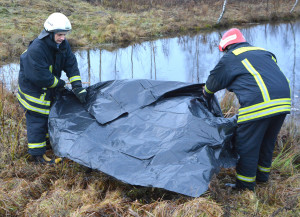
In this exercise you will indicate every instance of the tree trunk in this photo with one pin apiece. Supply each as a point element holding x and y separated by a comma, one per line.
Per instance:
<point>223,11</point>
<point>296,2</point>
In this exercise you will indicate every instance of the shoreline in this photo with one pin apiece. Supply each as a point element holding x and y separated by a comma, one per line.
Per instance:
<point>96,25</point>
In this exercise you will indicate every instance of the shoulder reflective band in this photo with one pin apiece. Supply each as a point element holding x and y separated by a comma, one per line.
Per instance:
<point>40,101</point>
<point>54,83</point>
<point>258,79</point>
<point>208,91</point>
<point>75,78</point>
<point>264,169</point>
<point>32,108</point>
<point>37,145</point>
<point>245,178</point>
<point>245,49</point>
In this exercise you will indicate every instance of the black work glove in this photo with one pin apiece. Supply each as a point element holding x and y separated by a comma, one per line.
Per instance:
<point>80,93</point>
<point>61,89</point>
<point>61,83</point>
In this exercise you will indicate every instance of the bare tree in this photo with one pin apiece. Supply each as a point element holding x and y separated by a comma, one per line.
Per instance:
<point>89,66</point>
<point>223,11</point>
<point>153,62</point>
<point>100,65</point>
<point>131,58</point>
<point>116,64</point>
<point>296,2</point>
<point>294,65</point>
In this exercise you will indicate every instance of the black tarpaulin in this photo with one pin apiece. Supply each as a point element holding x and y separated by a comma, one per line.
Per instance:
<point>143,132</point>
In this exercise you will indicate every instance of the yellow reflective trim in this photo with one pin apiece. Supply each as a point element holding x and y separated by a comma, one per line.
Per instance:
<point>263,105</point>
<point>37,145</point>
<point>46,158</point>
<point>208,91</point>
<point>24,51</point>
<point>258,79</point>
<point>264,113</point>
<point>245,178</point>
<point>51,68</point>
<point>241,50</point>
<point>32,108</point>
<point>273,58</point>
<point>75,78</point>
<point>264,169</point>
<point>40,101</point>
<point>42,97</point>
<point>54,83</point>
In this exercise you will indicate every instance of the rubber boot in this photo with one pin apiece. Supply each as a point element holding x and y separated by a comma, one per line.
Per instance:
<point>43,159</point>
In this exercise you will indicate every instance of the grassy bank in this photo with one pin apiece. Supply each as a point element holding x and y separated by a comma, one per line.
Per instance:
<point>100,22</point>
<point>69,189</point>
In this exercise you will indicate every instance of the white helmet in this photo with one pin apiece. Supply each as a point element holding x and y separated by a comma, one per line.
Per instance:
<point>57,22</point>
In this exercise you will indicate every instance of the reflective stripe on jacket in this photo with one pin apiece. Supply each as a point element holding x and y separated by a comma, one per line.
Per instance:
<point>253,75</point>
<point>40,71</point>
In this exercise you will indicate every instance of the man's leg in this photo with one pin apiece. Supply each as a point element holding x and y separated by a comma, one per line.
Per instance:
<point>267,148</point>
<point>248,139</point>
<point>36,133</point>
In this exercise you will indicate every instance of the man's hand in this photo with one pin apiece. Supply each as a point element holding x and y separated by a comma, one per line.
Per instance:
<point>80,93</point>
<point>61,89</point>
<point>61,83</point>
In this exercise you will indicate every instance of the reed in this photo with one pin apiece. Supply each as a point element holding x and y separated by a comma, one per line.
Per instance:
<point>12,133</point>
<point>229,104</point>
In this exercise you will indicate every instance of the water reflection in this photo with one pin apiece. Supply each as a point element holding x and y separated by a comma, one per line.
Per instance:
<point>186,58</point>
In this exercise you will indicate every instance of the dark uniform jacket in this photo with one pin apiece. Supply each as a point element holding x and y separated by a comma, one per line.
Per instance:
<point>253,75</point>
<point>40,71</point>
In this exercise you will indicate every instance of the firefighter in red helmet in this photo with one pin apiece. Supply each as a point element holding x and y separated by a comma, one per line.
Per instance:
<point>263,92</point>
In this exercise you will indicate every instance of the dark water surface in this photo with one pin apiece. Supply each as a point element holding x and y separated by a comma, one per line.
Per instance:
<point>186,58</point>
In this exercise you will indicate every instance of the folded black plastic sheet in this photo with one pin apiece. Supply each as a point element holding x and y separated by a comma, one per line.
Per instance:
<point>143,132</point>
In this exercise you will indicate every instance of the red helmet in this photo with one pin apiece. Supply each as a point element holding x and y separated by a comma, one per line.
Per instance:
<point>232,36</point>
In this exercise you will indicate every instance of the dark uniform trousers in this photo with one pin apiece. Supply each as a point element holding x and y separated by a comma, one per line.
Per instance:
<point>254,142</point>
<point>37,132</point>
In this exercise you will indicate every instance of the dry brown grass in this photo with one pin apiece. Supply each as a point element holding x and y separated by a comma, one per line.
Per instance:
<point>229,104</point>
<point>12,130</point>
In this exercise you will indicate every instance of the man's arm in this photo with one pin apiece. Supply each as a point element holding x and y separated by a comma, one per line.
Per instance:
<point>220,77</point>
<point>72,71</point>
<point>38,71</point>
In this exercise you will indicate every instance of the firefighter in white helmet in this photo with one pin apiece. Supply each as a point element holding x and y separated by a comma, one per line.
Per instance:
<point>41,66</point>
<point>263,92</point>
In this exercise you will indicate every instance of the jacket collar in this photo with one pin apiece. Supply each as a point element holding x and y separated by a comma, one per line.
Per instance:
<point>237,45</point>
<point>43,34</point>
<point>51,43</point>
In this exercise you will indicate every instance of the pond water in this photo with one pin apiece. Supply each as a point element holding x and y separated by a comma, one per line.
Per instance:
<point>186,58</point>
